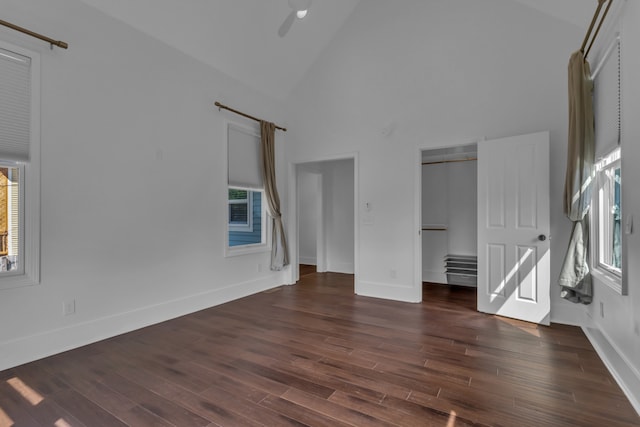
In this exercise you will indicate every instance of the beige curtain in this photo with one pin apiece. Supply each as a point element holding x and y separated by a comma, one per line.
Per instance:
<point>575,278</point>
<point>279,249</point>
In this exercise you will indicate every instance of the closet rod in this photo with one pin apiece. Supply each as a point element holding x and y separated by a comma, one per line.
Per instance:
<point>51,41</point>
<point>471,159</point>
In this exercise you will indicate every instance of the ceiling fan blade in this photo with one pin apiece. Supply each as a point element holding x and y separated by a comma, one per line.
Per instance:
<point>286,25</point>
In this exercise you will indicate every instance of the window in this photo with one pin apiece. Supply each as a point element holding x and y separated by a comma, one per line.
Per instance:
<point>245,217</point>
<point>607,211</point>
<point>10,219</point>
<point>19,167</point>
<point>607,263</point>
<point>246,224</point>
<point>240,210</point>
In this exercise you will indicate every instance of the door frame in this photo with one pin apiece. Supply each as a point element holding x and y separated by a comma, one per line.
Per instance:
<point>293,223</point>
<point>321,253</point>
<point>417,242</point>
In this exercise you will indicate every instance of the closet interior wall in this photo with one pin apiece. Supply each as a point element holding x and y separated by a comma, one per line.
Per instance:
<point>449,212</point>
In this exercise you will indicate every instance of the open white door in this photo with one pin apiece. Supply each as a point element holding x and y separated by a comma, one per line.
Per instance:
<point>513,227</point>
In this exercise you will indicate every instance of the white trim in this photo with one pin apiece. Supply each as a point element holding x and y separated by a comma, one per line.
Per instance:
<point>27,349</point>
<point>623,371</point>
<point>292,227</point>
<point>390,291</point>
<point>231,251</point>
<point>243,228</point>
<point>565,313</point>
<point>417,197</point>
<point>321,238</point>
<point>265,245</point>
<point>600,271</point>
<point>30,203</point>
<point>341,267</point>
<point>307,260</point>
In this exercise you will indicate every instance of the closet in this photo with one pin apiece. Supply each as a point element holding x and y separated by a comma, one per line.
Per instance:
<point>449,215</point>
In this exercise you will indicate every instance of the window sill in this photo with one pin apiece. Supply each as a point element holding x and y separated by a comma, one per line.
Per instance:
<point>610,280</point>
<point>245,250</point>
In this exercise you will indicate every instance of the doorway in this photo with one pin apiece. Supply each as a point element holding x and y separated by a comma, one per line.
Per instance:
<point>449,220</point>
<point>512,226</point>
<point>325,211</point>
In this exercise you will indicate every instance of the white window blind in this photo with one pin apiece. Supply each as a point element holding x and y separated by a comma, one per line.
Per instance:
<point>15,106</point>
<point>606,103</point>
<point>244,158</point>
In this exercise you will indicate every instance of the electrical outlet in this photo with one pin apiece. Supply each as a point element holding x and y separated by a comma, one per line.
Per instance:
<point>69,307</point>
<point>259,268</point>
<point>601,309</point>
<point>393,273</point>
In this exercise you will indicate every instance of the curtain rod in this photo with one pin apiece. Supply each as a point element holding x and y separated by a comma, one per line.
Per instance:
<point>222,106</point>
<point>52,42</point>
<point>471,159</point>
<point>593,22</point>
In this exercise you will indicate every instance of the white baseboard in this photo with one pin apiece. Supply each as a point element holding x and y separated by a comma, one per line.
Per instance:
<point>433,276</point>
<point>27,349</point>
<point>567,313</point>
<point>625,374</point>
<point>307,260</point>
<point>389,291</point>
<point>341,267</point>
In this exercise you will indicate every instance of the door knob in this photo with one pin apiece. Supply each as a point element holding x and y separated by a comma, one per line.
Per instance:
<point>542,237</point>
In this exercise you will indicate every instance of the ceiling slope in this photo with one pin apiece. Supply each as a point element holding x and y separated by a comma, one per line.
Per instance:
<point>240,37</point>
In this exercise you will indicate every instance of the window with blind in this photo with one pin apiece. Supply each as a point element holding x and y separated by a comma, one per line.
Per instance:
<point>19,167</point>
<point>606,209</point>
<point>246,225</point>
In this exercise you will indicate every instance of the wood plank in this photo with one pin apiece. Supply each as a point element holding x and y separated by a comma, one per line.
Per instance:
<point>316,354</point>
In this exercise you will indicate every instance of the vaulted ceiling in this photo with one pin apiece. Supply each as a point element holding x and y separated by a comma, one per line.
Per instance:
<point>240,37</point>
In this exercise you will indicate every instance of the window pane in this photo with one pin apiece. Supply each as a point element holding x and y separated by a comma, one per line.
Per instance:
<point>235,194</point>
<point>9,218</point>
<point>246,220</point>
<point>238,213</point>
<point>616,241</point>
<point>609,212</point>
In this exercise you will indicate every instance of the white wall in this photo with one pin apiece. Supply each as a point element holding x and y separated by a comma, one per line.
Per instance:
<point>463,207</point>
<point>435,244</point>
<point>411,75</point>
<point>133,184</point>
<point>308,216</point>
<point>338,204</point>
<point>618,331</point>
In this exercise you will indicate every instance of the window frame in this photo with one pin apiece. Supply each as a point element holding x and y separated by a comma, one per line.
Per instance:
<point>20,167</point>
<point>28,273</point>
<point>237,226</point>
<point>265,244</point>
<point>609,275</point>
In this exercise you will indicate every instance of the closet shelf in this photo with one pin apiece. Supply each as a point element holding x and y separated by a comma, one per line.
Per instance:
<point>461,269</point>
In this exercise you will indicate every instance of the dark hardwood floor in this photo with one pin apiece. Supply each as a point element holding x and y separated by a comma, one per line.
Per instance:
<point>306,269</point>
<point>314,354</point>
